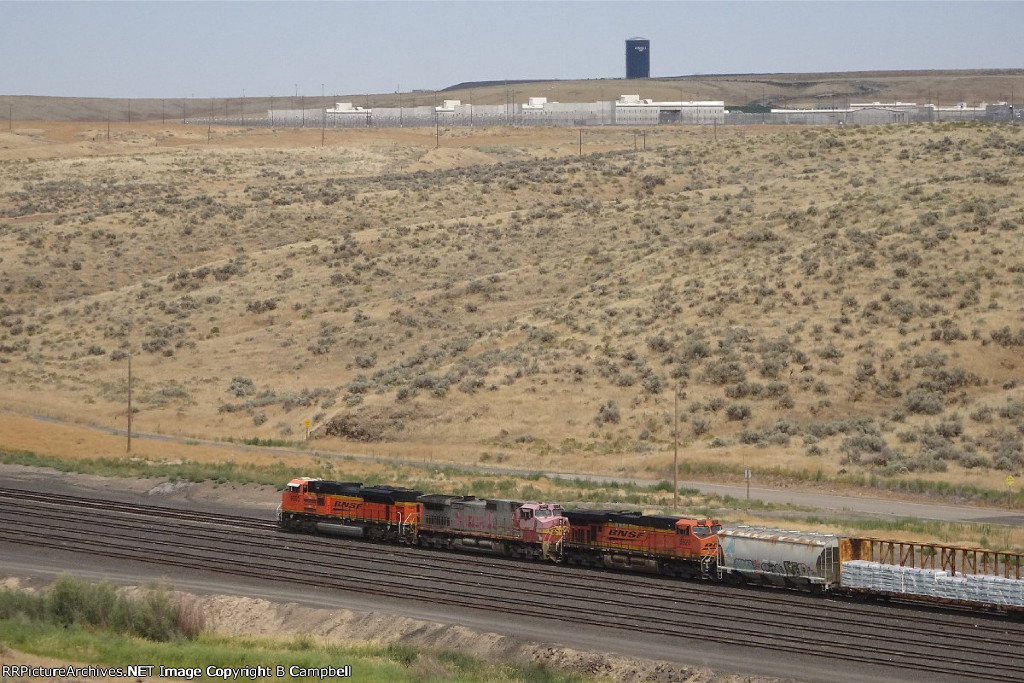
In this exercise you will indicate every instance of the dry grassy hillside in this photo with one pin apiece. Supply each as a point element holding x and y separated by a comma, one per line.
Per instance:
<point>823,299</point>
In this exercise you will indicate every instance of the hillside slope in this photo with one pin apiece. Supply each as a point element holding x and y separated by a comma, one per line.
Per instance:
<point>822,299</point>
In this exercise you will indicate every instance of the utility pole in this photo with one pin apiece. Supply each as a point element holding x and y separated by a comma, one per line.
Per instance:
<point>675,447</point>
<point>129,403</point>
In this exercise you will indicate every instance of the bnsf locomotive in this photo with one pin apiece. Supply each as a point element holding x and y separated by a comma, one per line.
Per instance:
<point>671,545</point>
<point>400,515</point>
<point>666,544</point>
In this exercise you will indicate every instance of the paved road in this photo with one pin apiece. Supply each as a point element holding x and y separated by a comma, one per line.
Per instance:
<point>831,504</point>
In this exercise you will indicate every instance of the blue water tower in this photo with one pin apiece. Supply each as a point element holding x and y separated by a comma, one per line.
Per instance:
<point>638,58</point>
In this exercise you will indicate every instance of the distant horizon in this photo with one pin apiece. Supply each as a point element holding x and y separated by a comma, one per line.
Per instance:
<point>214,49</point>
<point>466,85</point>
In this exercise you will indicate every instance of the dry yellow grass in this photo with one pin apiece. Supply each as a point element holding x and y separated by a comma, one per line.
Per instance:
<point>826,300</point>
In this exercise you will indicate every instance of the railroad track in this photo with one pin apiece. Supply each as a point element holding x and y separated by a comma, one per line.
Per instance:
<point>922,642</point>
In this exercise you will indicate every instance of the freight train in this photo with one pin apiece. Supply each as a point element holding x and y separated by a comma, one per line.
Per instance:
<point>671,545</point>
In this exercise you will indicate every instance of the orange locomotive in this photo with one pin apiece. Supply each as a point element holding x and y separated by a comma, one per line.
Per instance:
<point>666,544</point>
<point>384,513</point>
<point>400,515</point>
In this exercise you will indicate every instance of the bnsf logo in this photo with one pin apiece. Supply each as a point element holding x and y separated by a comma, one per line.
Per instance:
<point>624,533</point>
<point>345,505</point>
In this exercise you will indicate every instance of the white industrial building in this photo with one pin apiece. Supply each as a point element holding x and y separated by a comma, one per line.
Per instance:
<point>628,110</point>
<point>631,110</point>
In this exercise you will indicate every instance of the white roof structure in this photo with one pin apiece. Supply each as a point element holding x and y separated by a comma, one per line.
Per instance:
<point>635,101</point>
<point>347,108</point>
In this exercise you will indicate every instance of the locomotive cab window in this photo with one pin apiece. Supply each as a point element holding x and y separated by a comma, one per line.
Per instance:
<point>293,488</point>
<point>683,531</point>
<point>525,514</point>
<point>701,531</point>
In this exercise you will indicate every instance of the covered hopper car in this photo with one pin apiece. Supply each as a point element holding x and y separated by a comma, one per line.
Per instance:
<point>874,568</point>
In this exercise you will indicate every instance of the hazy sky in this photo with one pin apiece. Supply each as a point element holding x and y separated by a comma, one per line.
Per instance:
<point>224,49</point>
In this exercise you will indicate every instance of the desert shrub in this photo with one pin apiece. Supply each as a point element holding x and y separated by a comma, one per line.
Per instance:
<point>927,462</point>
<point>951,428</point>
<point>855,447</point>
<point>699,425</point>
<point>753,437</point>
<point>471,385</point>
<point>738,411</point>
<point>947,331</point>
<point>609,412</point>
<point>1013,410</point>
<point>154,614</point>
<point>695,349</point>
<point>241,386</point>
<point>724,372</point>
<point>365,362</point>
<point>831,352</point>
<point>652,383</point>
<point>973,460</point>
<point>983,414</point>
<point>625,379</point>
<point>263,306</point>
<point>658,344</point>
<point>924,402</point>
<point>1005,337</point>
<point>947,381</point>
<point>359,385</point>
<point>902,309</point>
